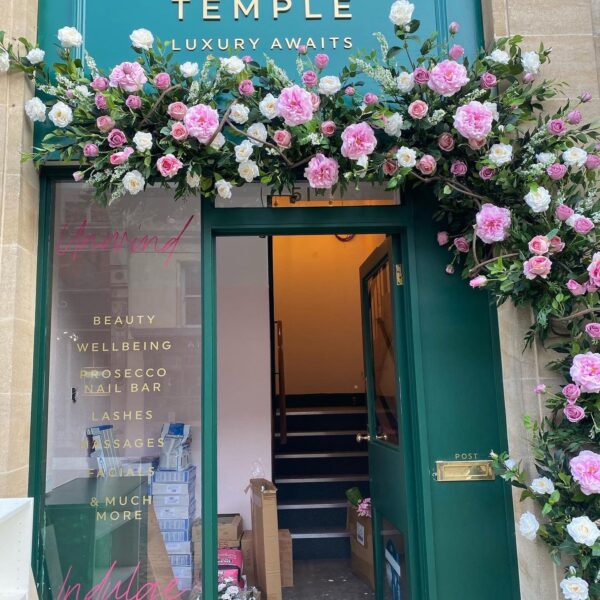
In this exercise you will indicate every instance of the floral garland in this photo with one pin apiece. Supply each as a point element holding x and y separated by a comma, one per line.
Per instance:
<point>517,188</point>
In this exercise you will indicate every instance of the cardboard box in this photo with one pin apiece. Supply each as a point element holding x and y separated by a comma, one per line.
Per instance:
<point>361,546</point>
<point>248,554</point>
<point>231,528</point>
<point>286,557</point>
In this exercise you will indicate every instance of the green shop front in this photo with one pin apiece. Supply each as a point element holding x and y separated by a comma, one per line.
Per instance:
<point>186,347</point>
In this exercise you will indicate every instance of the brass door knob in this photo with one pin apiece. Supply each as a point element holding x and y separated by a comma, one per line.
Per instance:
<point>363,437</point>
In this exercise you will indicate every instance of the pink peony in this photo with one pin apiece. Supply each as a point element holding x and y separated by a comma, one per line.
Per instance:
<point>310,79</point>
<point>100,84</point>
<point>446,142</point>
<point>427,164</point>
<point>493,223</point>
<point>583,225</point>
<point>592,162</point>
<point>458,168</point>
<point>571,392</point>
<point>177,110</point>
<point>447,78</point>
<point>540,244</point>
<point>556,171</point>
<point>371,98</point>
<point>246,88</point>
<point>461,244</point>
<point>295,105</point>
<point>390,167</point>
<point>564,212</point>
<point>418,109</point>
<point>162,81</point>
<point>479,281</point>
<point>575,288</point>
<point>456,51</point>
<point>593,330</point>
<point>133,102</point>
<point>321,61</point>
<point>442,238</point>
<point>486,173</point>
<point>322,172</point>
<point>557,126</point>
<point>594,270</point>
<point>116,138</point>
<point>488,80</point>
<point>168,165</point>
<point>358,141</point>
<point>101,102</point>
<point>574,117</point>
<point>91,150</point>
<point>328,128</point>
<point>202,122</point>
<point>118,158</point>
<point>283,138</point>
<point>421,75</point>
<point>105,123</point>
<point>179,131</point>
<point>128,76</point>
<point>473,121</point>
<point>537,266</point>
<point>574,413</point>
<point>585,468</point>
<point>585,372</point>
<point>556,244</point>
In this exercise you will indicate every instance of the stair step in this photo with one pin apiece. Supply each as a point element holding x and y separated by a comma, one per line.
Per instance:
<point>312,505</point>
<point>315,534</point>
<point>320,478</point>
<point>340,433</point>
<point>321,455</point>
<point>325,410</point>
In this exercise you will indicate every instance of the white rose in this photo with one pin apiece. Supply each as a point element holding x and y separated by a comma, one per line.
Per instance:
<point>189,69</point>
<point>142,141</point>
<point>584,531</point>
<point>542,485</point>
<point>218,142</point>
<point>330,85</point>
<point>500,154</point>
<point>406,157</point>
<point>528,526</point>
<point>401,13</point>
<point>258,131</point>
<point>575,588</point>
<point>83,90</point>
<point>35,56</point>
<point>531,62</point>
<point>239,113</point>
<point>134,182</point>
<point>510,463</point>
<point>575,157</point>
<point>393,125</point>
<point>538,200</point>
<point>268,106</point>
<point>248,170</point>
<point>244,151</point>
<point>405,82</point>
<point>493,108</point>
<point>192,179</point>
<point>4,62</point>
<point>363,163</point>
<point>61,114</point>
<point>233,65</point>
<point>35,109</point>
<point>545,158</point>
<point>223,189</point>
<point>500,56</point>
<point>141,38</point>
<point>69,37</point>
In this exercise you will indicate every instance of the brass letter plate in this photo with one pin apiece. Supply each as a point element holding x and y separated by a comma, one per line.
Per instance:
<point>465,470</point>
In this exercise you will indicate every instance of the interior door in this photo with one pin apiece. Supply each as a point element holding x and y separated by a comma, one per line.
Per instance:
<point>383,292</point>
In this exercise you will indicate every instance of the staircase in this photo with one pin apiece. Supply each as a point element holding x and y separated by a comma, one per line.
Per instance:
<point>313,470</point>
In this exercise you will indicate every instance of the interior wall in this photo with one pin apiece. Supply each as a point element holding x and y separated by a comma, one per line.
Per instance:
<point>317,297</point>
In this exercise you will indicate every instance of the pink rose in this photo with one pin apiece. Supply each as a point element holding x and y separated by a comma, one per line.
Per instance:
<point>479,281</point>
<point>585,469</point>
<point>593,330</point>
<point>283,138</point>
<point>78,176</point>
<point>91,150</point>
<point>537,266</point>
<point>585,372</point>
<point>101,102</point>
<point>592,162</point>
<point>473,121</point>
<point>557,126</point>
<point>322,172</point>
<point>105,123</point>
<point>302,49</point>
<point>116,138</point>
<point>450,269</point>
<point>540,244</point>
<point>486,173</point>
<point>162,81</point>
<point>427,164</point>
<point>446,142</point>
<point>133,102</point>
<point>453,28</point>
<point>458,168</point>
<point>70,93</point>
<point>371,99</point>
<point>540,388</point>
<point>310,78</point>
<point>493,223</point>
<point>247,59</point>
<point>100,84</point>
<point>477,144</point>
<point>128,76</point>
<point>179,131</point>
<point>328,128</point>
<point>118,158</point>
<point>315,100</point>
<point>321,61</point>
<point>390,167</point>
<point>564,212</point>
<point>594,270</point>
<point>177,110</point>
<point>168,165</point>
<point>447,78</point>
<point>418,109</point>
<point>488,81</point>
<point>528,78</point>
<point>571,392</point>
<point>556,171</point>
<point>590,288</point>
<point>583,225</point>
<point>358,141</point>
<point>202,122</point>
<point>586,97</point>
<point>574,117</point>
<point>461,244</point>
<point>456,52</point>
<point>575,288</point>
<point>246,88</point>
<point>349,91</point>
<point>421,75</point>
<point>556,244</point>
<point>574,413</point>
<point>295,106</point>
<point>442,238</point>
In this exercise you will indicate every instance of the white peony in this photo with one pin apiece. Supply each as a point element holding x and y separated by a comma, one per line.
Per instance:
<point>142,141</point>
<point>401,13</point>
<point>248,170</point>
<point>575,588</point>
<point>134,182</point>
<point>192,179</point>
<point>83,91</point>
<point>61,114</point>
<point>268,106</point>
<point>531,62</point>
<point>4,62</point>
<point>542,485</point>
<point>218,142</point>
<point>538,200</point>
<point>233,65</point>
<point>239,113</point>
<point>35,109</point>
<point>223,188</point>
<point>258,131</point>
<point>545,158</point>
<point>405,82</point>
<point>406,157</point>
<point>499,56</point>
<point>500,154</point>
<point>528,526</point>
<point>69,37</point>
<point>574,157</point>
<point>330,85</point>
<point>189,69</point>
<point>244,151</point>
<point>394,124</point>
<point>141,38</point>
<point>35,56</point>
<point>493,108</point>
<point>584,531</point>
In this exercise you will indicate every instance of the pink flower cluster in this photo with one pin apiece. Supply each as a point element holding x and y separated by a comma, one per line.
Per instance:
<point>448,77</point>
<point>493,223</point>
<point>364,508</point>
<point>322,172</point>
<point>358,141</point>
<point>295,106</point>
<point>585,372</point>
<point>129,77</point>
<point>585,469</point>
<point>473,121</point>
<point>202,122</point>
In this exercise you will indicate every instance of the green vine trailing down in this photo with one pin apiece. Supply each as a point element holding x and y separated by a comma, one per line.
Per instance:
<point>517,189</point>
